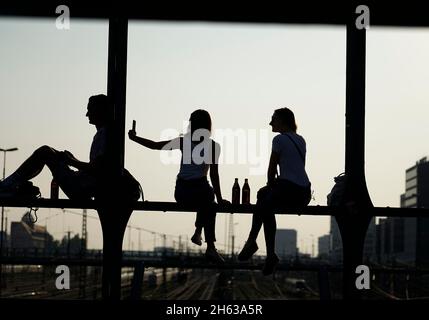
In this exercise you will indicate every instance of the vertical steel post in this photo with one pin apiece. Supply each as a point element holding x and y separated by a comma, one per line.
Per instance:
<point>354,222</point>
<point>113,215</point>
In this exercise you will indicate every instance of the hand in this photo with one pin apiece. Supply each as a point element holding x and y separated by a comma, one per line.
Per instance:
<point>224,202</point>
<point>132,134</point>
<point>69,157</point>
<point>68,154</point>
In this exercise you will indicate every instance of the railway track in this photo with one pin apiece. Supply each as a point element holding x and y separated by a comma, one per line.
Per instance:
<point>208,285</point>
<point>196,288</point>
<point>38,287</point>
<point>180,292</point>
<point>207,294</point>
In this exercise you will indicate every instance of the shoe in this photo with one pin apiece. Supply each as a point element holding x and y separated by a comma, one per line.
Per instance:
<point>270,265</point>
<point>214,256</point>
<point>248,250</point>
<point>196,238</point>
<point>25,190</point>
<point>6,192</point>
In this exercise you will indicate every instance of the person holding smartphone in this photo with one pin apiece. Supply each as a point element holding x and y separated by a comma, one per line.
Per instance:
<point>200,155</point>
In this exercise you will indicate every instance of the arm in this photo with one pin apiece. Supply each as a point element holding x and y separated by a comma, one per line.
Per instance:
<point>80,165</point>
<point>214,177</point>
<point>272,167</point>
<point>214,173</point>
<point>148,143</point>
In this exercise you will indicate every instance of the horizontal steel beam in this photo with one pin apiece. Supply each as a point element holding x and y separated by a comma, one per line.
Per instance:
<point>241,208</point>
<point>176,263</point>
<point>325,13</point>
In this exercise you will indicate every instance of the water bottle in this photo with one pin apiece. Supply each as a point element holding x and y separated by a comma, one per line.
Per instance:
<point>55,189</point>
<point>246,192</point>
<point>236,192</point>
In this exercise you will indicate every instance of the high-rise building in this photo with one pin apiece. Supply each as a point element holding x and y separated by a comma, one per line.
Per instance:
<point>369,249</point>
<point>336,244</point>
<point>324,245</point>
<point>286,240</point>
<point>6,239</point>
<point>405,240</point>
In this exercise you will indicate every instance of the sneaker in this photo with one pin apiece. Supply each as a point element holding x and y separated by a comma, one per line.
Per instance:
<point>197,239</point>
<point>6,192</point>
<point>25,190</point>
<point>270,265</point>
<point>248,250</point>
<point>213,256</point>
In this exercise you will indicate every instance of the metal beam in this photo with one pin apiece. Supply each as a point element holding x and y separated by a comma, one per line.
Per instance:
<point>113,214</point>
<point>117,87</point>
<point>353,223</point>
<point>325,13</point>
<point>235,209</point>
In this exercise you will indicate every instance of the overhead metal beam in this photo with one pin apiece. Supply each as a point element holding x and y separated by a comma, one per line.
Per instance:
<point>327,13</point>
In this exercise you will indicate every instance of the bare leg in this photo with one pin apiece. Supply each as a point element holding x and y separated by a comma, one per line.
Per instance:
<point>199,223</point>
<point>196,237</point>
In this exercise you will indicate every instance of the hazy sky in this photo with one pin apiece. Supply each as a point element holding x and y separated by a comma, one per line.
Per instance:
<point>240,73</point>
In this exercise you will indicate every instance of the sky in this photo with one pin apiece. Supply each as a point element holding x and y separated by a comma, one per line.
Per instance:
<point>240,73</point>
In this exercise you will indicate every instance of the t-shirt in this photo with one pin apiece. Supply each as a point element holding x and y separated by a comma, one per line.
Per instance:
<point>88,179</point>
<point>292,166</point>
<point>196,156</point>
<point>99,144</point>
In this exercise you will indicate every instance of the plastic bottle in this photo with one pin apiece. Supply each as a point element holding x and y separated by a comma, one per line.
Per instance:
<point>236,192</point>
<point>245,192</point>
<point>55,189</point>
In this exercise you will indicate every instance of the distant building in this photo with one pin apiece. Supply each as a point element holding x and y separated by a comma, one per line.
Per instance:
<point>164,250</point>
<point>370,245</point>
<point>286,240</point>
<point>405,240</point>
<point>6,239</point>
<point>336,244</point>
<point>379,239</point>
<point>324,245</point>
<point>303,257</point>
<point>26,234</point>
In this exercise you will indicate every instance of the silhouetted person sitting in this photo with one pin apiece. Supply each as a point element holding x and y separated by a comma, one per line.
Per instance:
<point>80,184</point>
<point>291,188</point>
<point>192,186</point>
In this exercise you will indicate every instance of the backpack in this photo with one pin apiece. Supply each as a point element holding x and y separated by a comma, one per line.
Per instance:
<point>336,197</point>
<point>126,188</point>
<point>130,188</point>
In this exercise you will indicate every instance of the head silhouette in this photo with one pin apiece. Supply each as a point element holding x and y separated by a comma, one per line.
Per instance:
<point>200,119</point>
<point>100,110</point>
<point>283,120</point>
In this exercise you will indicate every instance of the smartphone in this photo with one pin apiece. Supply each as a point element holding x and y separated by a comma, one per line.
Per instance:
<point>134,125</point>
